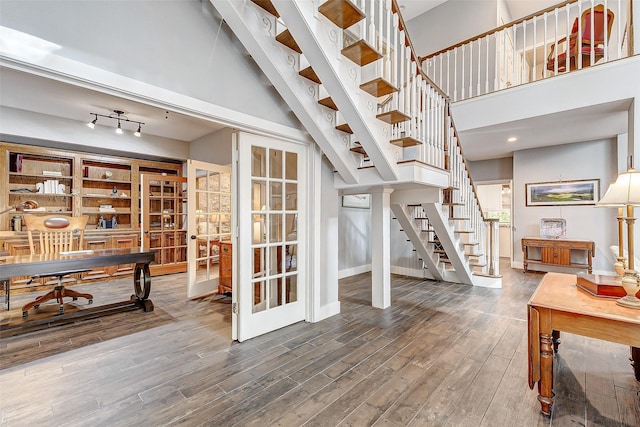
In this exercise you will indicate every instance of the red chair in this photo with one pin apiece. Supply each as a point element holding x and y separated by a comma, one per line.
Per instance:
<point>591,41</point>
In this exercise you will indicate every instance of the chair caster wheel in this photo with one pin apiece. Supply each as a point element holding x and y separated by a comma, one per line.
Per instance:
<point>61,311</point>
<point>75,298</point>
<point>25,314</point>
<point>36,306</point>
<point>90,301</point>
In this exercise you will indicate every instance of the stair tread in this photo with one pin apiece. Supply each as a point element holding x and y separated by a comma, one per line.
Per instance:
<point>378,87</point>
<point>407,141</point>
<point>358,150</point>
<point>328,102</point>
<point>287,39</point>
<point>361,52</point>
<point>452,204</point>
<point>268,6</point>
<point>393,117</point>
<point>345,128</point>
<point>458,219</point>
<point>463,231</point>
<point>310,74</point>
<point>470,243</point>
<point>343,13</point>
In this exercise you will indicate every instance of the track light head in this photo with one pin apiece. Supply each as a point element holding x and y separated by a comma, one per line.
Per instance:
<point>92,123</point>
<point>137,133</point>
<point>119,128</point>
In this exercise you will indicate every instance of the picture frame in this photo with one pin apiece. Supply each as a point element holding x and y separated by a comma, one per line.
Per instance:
<point>563,193</point>
<point>359,201</point>
<point>553,228</point>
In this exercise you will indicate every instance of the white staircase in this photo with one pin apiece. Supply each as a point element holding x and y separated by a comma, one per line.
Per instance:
<point>348,72</point>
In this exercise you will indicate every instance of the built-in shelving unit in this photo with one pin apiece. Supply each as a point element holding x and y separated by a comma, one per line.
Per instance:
<point>104,188</point>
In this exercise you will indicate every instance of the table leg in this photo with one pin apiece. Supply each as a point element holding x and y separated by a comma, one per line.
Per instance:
<point>635,361</point>
<point>555,337</point>
<point>6,283</point>
<point>142,286</point>
<point>545,386</point>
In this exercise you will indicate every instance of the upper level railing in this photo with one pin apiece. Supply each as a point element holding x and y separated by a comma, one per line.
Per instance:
<point>550,42</point>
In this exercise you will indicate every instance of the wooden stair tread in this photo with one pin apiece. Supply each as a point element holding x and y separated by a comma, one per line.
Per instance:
<point>393,117</point>
<point>366,167</point>
<point>345,128</point>
<point>343,13</point>
<point>471,244</point>
<point>310,74</point>
<point>358,150</point>
<point>361,52</point>
<point>287,39</point>
<point>378,87</point>
<point>463,231</point>
<point>458,219</point>
<point>407,141</point>
<point>268,6</point>
<point>452,204</point>
<point>328,102</point>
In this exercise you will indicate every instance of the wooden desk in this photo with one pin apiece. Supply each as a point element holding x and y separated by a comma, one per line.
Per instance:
<point>21,265</point>
<point>558,305</point>
<point>557,252</point>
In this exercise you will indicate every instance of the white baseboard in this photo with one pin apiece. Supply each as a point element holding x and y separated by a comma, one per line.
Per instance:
<point>326,311</point>
<point>348,272</point>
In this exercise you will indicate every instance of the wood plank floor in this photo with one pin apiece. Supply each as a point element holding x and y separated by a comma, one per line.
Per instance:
<point>443,355</point>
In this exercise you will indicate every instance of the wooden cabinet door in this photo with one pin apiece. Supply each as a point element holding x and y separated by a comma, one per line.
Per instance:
<point>127,241</point>
<point>95,243</point>
<point>224,283</point>
<point>557,256</point>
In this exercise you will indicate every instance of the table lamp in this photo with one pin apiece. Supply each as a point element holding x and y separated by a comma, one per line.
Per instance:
<point>626,192</point>
<point>621,261</point>
<point>27,204</point>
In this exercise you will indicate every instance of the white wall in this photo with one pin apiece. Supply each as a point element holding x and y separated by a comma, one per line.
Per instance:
<point>329,220</point>
<point>179,45</point>
<point>562,163</point>
<point>491,170</point>
<point>450,23</point>
<point>354,243</point>
<point>214,148</point>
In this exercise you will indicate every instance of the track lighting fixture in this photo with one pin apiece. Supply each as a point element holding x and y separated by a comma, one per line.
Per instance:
<point>120,117</point>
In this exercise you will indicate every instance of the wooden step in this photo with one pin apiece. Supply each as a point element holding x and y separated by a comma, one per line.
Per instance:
<point>407,141</point>
<point>452,204</point>
<point>343,13</point>
<point>378,87</point>
<point>328,102</point>
<point>393,117</point>
<point>362,53</point>
<point>470,243</point>
<point>310,74</point>
<point>268,6</point>
<point>358,149</point>
<point>345,128</point>
<point>458,219</point>
<point>286,39</point>
<point>366,167</point>
<point>462,232</point>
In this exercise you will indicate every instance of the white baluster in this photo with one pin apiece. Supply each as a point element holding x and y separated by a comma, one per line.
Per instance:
<point>479,65</point>
<point>390,47</point>
<point>535,51</point>
<point>455,73</point>
<point>544,51</point>
<point>463,72</point>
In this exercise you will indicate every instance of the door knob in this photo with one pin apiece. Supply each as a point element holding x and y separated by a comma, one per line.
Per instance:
<point>193,237</point>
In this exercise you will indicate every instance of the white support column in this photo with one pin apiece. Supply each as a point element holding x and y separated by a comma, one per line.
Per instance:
<point>381,248</point>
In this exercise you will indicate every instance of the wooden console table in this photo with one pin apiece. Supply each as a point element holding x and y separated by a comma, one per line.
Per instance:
<point>558,252</point>
<point>558,305</point>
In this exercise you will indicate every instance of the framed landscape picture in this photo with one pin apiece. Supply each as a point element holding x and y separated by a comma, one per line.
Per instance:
<point>360,201</point>
<point>580,192</point>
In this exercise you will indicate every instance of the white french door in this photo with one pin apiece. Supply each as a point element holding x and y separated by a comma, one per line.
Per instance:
<point>270,250</point>
<point>209,223</point>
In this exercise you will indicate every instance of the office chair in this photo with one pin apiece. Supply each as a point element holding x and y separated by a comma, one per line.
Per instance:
<point>55,234</point>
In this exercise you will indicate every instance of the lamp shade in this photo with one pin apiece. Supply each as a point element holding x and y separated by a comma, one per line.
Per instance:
<point>608,205</point>
<point>625,191</point>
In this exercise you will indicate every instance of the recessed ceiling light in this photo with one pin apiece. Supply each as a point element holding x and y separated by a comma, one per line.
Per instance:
<point>512,139</point>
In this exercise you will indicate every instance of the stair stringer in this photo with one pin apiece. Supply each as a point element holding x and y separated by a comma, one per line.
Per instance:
<point>320,41</point>
<point>424,249</point>
<point>452,247</point>
<point>256,31</point>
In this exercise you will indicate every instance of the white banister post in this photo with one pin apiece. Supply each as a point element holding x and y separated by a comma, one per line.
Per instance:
<point>381,248</point>
<point>634,41</point>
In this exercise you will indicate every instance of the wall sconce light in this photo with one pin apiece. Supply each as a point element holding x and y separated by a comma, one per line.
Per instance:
<point>120,117</point>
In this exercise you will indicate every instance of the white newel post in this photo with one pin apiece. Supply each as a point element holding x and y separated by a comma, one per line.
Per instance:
<point>381,248</point>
